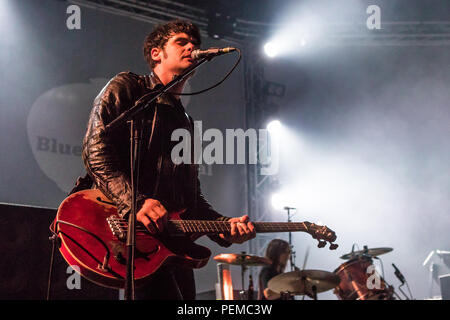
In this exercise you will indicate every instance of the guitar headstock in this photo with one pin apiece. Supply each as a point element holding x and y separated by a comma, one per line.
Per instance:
<point>323,234</point>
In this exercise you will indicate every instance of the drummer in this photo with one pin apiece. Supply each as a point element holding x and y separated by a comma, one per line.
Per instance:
<point>278,251</point>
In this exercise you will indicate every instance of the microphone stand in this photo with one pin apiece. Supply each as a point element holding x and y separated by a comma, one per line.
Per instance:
<point>135,119</point>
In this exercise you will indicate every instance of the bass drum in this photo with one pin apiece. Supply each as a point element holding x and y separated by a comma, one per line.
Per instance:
<point>354,276</point>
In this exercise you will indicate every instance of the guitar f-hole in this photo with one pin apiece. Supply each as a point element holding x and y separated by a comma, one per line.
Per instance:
<point>106,202</point>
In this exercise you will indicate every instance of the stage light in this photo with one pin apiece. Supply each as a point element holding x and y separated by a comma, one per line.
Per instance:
<point>274,127</point>
<point>271,49</point>
<point>303,42</point>
<point>278,201</point>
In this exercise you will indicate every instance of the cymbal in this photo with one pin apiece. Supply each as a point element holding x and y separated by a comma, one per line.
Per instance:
<point>366,252</point>
<point>242,259</point>
<point>302,282</point>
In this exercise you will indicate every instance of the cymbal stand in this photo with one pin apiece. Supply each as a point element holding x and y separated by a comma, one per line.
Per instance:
<point>243,270</point>
<point>314,292</point>
<point>313,288</point>
<point>291,247</point>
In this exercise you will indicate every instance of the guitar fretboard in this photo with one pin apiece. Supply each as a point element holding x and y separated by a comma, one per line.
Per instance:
<point>214,227</point>
<point>202,226</point>
<point>119,228</point>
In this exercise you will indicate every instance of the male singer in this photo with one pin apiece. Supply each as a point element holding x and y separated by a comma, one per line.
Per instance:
<point>163,185</point>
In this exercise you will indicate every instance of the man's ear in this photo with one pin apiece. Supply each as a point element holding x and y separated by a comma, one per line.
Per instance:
<point>155,53</point>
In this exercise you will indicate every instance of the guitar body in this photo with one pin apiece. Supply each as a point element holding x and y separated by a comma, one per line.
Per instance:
<point>90,210</point>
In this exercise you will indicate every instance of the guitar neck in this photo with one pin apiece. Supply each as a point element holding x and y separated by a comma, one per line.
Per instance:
<point>204,227</point>
<point>212,227</point>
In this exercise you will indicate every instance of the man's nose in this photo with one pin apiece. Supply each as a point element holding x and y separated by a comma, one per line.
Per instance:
<point>190,46</point>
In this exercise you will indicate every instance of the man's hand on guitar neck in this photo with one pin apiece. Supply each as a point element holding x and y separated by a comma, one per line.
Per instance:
<point>241,230</point>
<point>154,216</point>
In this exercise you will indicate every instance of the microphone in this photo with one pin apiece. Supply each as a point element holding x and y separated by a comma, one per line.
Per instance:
<point>399,274</point>
<point>211,52</point>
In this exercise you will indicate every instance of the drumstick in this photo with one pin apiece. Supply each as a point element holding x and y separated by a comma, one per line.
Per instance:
<point>306,258</point>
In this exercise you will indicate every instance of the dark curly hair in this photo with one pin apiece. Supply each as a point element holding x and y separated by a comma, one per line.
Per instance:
<point>159,36</point>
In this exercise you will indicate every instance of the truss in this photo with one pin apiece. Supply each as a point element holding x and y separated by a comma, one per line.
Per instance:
<point>421,33</point>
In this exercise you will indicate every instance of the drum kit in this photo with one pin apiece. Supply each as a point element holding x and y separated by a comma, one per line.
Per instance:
<point>355,279</point>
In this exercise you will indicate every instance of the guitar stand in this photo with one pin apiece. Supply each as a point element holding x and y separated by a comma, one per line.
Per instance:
<point>55,240</point>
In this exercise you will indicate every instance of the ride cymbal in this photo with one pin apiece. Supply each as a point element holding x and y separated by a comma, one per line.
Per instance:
<point>302,282</point>
<point>366,252</point>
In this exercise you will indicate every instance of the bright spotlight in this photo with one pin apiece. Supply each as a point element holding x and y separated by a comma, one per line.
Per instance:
<point>278,201</point>
<point>282,199</point>
<point>274,127</point>
<point>270,49</point>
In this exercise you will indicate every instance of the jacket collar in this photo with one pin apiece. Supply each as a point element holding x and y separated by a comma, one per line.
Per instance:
<point>152,81</point>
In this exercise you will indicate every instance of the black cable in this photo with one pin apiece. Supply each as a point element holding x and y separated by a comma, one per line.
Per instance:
<point>410,293</point>
<point>104,265</point>
<point>88,232</point>
<point>399,288</point>
<point>215,85</point>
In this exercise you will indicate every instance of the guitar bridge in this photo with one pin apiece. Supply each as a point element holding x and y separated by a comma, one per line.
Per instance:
<point>114,223</point>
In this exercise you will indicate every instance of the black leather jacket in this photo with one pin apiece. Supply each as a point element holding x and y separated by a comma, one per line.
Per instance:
<point>107,156</point>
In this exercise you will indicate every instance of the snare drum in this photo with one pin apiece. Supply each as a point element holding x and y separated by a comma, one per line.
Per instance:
<point>354,278</point>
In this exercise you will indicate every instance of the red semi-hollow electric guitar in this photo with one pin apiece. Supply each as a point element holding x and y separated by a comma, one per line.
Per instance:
<point>93,238</point>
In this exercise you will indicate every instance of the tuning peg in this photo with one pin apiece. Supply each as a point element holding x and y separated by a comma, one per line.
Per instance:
<point>333,246</point>
<point>321,244</point>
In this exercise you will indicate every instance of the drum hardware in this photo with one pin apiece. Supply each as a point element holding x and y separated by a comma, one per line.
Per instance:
<point>250,291</point>
<point>366,252</point>
<point>402,279</point>
<point>244,260</point>
<point>291,247</point>
<point>304,282</point>
<point>355,279</point>
<point>304,264</point>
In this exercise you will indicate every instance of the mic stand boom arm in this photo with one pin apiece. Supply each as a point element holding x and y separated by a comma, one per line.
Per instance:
<point>138,108</point>
<point>133,117</point>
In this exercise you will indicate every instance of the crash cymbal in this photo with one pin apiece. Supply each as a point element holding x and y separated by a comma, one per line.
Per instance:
<point>302,282</point>
<point>242,259</point>
<point>366,252</point>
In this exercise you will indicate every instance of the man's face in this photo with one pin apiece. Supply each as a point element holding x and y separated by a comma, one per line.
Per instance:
<point>176,54</point>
